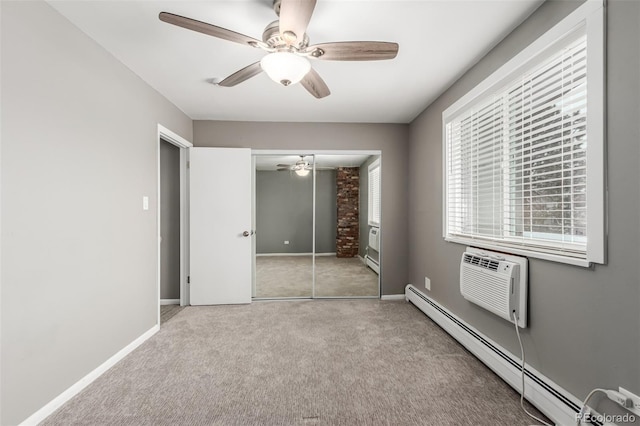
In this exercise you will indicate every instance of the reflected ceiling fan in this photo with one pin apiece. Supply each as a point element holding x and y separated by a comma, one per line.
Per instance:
<point>288,48</point>
<point>301,167</point>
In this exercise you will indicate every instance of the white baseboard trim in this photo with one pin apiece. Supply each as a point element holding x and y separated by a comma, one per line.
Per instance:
<point>282,254</point>
<point>293,254</point>
<point>555,402</point>
<point>169,301</point>
<point>74,389</point>
<point>393,297</point>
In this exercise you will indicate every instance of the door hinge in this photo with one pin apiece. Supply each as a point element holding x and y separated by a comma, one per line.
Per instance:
<point>188,164</point>
<point>188,280</point>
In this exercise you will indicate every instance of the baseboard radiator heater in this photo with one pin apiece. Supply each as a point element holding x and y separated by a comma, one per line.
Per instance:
<point>555,402</point>
<point>371,263</point>
<point>374,244</point>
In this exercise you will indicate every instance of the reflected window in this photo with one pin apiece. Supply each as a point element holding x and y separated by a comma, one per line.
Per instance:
<point>374,193</point>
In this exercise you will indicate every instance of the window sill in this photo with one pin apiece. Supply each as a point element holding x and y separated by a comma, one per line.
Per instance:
<point>520,251</point>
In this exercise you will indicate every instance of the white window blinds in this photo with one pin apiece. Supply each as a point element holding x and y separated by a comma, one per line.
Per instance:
<point>516,157</point>
<point>374,194</point>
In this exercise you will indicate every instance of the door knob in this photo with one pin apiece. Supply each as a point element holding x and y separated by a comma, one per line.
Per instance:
<point>247,233</point>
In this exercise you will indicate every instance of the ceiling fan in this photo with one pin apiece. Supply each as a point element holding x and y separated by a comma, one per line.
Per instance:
<point>287,43</point>
<point>301,167</point>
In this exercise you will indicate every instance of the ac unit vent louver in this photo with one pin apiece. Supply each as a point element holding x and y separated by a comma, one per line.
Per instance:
<point>482,262</point>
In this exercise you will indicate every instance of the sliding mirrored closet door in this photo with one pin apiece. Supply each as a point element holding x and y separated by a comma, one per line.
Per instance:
<point>314,226</point>
<point>284,227</point>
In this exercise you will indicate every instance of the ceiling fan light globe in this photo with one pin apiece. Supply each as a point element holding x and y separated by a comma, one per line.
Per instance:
<point>286,67</point>
<point>302,172</point>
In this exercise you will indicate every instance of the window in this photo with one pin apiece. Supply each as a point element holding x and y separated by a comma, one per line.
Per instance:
<point>374,193</point>
<point>524,151</point>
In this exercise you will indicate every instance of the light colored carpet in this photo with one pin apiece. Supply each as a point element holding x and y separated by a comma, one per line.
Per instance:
<point>169,311</point>
<point>291,276</point>
<point>345,277</point>
<point>284,276</point>
<point>323,362</point>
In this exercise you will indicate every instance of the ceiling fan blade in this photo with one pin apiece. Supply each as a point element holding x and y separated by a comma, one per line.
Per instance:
<point>294,19</point>
<point>283,165</point>
<point>208,29</point>
<point>287,169</point>
<point>354,51</point>
<point>244,74</point>
<point>315,84</point>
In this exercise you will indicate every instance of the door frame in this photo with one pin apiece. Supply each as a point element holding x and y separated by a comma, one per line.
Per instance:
<point>305,152</point>
<point>183,145</point>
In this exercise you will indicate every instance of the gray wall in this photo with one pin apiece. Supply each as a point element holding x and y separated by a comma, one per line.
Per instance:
<point>169,221</point>
<point>79,255</point>
<point>391,139</point>
<point>584,323</point>
<point>326,211</point>
<point>364,205</point>
<point>284,211</point>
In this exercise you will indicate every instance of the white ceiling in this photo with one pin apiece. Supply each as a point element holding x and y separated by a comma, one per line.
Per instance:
<point>439,40</point>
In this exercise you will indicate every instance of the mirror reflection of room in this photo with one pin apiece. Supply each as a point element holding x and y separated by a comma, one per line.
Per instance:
<point>344,262</point>
<point>344,272</point>
<point>284,227</point>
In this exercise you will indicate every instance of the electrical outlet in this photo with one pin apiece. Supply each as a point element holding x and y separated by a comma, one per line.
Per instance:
<point>427,283</point>
<point>634,407</point>
<point>286,243</point>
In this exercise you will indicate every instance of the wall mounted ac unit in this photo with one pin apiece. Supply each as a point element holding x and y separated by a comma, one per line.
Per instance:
<point>496,282</point>
<point>374,238</point>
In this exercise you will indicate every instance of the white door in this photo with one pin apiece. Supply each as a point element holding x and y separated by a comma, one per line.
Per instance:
<point>220,225</point>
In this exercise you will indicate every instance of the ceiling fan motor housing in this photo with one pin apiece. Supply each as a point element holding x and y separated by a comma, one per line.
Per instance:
<point>272,37</point>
